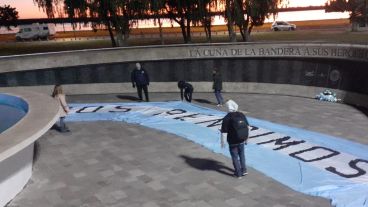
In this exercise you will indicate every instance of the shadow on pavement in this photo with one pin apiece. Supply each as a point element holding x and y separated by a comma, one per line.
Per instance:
<point>131,98</point>
<point>207,164</point>
<point>205,101</point>
<point>362,109</point>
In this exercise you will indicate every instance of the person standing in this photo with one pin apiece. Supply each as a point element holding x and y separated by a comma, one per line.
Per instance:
<point>217,86</point>
<point>235,128</point>
<point>140,78</point>
<point>59,96</point>
<point>188,90</point>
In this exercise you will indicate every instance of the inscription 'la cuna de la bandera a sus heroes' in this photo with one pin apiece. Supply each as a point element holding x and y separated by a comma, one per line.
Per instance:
<point>355,53</point>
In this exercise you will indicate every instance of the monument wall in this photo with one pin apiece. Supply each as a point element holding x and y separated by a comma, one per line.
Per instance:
<point>268,68</point>
<point>335,74</point>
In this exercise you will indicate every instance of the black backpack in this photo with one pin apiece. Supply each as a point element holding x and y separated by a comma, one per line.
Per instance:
<point>240,126</point>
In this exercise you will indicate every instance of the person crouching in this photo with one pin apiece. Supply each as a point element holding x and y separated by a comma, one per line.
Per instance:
<point>187,88</point>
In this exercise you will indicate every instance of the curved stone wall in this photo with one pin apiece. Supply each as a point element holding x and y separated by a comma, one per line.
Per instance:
<point>245,68</point>
<point>16,142</point>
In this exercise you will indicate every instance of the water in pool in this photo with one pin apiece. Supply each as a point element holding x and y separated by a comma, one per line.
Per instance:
<point>9,116</point>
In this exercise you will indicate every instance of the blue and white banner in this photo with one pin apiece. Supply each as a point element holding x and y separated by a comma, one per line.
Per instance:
<point>308,162</point>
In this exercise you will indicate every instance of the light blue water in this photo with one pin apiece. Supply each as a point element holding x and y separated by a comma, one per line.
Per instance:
<point>12,109</point>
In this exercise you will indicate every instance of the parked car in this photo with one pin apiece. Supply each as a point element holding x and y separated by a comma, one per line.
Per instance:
<point>282,26</point>
<point>35,31</point>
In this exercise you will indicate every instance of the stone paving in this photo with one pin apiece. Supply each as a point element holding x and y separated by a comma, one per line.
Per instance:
<point>120,164</point>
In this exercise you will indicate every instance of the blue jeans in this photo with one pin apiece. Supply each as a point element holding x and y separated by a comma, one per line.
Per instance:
<point>62,126</point>
<point>219,98</point>
<point>238,157</point>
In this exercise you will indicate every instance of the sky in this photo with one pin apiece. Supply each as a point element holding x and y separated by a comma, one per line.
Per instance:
<point>27,9</point>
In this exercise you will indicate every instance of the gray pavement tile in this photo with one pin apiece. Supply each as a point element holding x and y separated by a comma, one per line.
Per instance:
<point>156,185</point>
<point>136,172</point>
<point>234,202</point>
<point>201,204</point>
<point>150,204</point>
<point>243,189</point>
<point>107,173</point>
<point>106,163</point>
<point>145,178</point>
<point>219,203</point>
<point>79,174</point>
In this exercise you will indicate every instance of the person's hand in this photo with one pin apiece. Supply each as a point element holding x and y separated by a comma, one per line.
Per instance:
<point>66,109</point>
<point>133,85</point>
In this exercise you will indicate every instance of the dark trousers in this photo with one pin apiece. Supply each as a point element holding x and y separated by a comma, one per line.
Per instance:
<point>139,90</point>
<point>219,98</point>
<point>238,157</point>
<point>188,95</point>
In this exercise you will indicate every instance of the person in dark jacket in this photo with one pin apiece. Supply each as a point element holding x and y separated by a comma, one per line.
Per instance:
<point>188,90</point>
<point>235,129</point>
<point>140,79</point>
<point>217,86</point>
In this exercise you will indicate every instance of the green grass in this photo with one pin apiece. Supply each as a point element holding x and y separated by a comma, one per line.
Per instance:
<point>314,36</point>
<point>50,46</point>
<point>295,36</point>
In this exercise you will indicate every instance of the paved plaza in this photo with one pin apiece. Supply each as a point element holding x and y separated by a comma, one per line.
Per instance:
<point>118,164</point>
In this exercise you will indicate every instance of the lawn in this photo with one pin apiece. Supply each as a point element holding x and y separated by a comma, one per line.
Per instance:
<point>332,31</point>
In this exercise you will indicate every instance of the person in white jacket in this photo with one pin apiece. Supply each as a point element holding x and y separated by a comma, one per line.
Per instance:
<point>59,96</point>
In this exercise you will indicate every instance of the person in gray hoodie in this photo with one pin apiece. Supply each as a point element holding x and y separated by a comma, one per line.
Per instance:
<point>235,129</point>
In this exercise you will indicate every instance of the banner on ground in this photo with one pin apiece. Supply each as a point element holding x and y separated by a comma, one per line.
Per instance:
<point>308,162</point>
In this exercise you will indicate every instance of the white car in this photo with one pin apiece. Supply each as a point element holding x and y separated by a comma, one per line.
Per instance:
<point>282,26</point>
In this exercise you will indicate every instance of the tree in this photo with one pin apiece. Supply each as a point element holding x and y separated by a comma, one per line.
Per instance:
<point>358,10</point>
<point>49,6</point>
<point>229,13</point>
<point>259,10</point>
<point>118,15</point>
<point>8,16</point>
<point>157,9</point>
<point>248,13</point>
<point>181,11</point>
<point>191,12</point>
<point>204,16</point>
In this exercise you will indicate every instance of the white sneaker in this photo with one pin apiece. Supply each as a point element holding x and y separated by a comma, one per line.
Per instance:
<point>238,177</point>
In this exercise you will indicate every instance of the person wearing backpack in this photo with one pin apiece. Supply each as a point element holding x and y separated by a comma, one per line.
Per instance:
<point>235,128</point>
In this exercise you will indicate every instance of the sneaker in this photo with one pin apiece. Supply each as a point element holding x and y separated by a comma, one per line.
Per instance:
<point>245,173</point>
<point>238,177</point>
